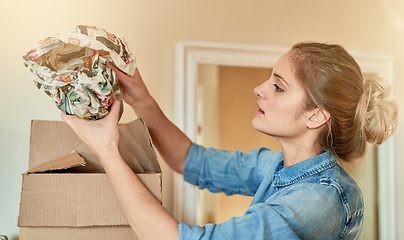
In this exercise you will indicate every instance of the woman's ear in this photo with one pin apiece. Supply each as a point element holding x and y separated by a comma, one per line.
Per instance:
<point>318,118</point>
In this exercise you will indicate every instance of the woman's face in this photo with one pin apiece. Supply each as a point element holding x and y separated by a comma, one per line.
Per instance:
<point>280,103</point>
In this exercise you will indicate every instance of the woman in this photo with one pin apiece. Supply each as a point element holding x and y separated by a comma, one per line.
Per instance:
<point>315,104</point>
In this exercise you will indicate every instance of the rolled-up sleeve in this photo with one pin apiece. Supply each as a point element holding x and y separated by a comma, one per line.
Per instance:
<point>227,171</point>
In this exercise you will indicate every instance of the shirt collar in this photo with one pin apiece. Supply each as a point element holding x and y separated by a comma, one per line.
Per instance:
<point>302,170</point>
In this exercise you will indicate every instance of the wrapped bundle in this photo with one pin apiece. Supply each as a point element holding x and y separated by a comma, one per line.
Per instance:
<point>71,68</point>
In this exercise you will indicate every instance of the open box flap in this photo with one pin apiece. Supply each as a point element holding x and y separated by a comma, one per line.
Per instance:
<point>136,142</point>
<point>71,160</point>
<point>52,141</point>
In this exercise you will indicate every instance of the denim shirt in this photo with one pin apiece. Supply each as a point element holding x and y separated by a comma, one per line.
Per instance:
<point>313,199</point>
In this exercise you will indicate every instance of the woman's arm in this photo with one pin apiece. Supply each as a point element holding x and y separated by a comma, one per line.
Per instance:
<point>172,144</point>
<point>147,217</point>
<point>145,214</point>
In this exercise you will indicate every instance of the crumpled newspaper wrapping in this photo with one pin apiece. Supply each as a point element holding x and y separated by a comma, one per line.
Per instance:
<point>71,68</point>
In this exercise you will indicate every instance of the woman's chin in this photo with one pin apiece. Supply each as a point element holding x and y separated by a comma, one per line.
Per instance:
<point>255,124</point>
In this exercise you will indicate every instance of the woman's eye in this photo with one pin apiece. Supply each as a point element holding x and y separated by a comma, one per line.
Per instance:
<point>277,88</point>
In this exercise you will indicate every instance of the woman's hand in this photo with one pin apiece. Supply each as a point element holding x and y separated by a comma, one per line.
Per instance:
<point>100,136</point>
<point>132,88</point>
<point>171,142</point>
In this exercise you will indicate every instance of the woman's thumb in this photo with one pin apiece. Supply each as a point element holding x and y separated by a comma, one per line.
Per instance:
<point>115,109</point>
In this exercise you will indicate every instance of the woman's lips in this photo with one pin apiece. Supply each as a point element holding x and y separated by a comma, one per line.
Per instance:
<point>259,111</point>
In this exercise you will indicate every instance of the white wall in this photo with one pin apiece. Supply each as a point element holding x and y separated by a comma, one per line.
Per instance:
<point>152,28</point>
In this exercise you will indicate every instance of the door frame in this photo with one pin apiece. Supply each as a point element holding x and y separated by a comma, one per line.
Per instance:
<point>188,56</point>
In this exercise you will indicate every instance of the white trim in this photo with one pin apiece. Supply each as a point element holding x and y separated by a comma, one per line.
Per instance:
<point>387,196</point>
<point>189,54</point>
<point>383,66</point>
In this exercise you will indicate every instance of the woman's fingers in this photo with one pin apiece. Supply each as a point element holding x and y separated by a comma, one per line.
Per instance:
<point>115,108</point>
<point>68,119</point>
<point>133,89</point>
<point>123,79</point>
<point>99,135</point>
<point>117,71</point>
<point>113,66</point>
<point>77,124</point>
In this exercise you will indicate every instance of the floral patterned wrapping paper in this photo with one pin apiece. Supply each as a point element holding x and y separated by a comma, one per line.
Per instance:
<point>71,68</point>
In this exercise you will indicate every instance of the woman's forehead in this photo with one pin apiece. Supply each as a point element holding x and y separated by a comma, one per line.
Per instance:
<point>284,67</point>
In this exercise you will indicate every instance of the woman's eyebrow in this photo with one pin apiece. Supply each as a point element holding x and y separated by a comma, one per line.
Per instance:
<point>281,78</point>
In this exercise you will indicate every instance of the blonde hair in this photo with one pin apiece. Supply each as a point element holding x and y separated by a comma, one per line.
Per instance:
<point>359,110</point>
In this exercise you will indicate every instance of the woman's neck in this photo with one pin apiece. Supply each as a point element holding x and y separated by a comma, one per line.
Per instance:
<point>298,151</point>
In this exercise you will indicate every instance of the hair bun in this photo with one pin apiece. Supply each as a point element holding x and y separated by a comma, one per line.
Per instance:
<point>380,119</point>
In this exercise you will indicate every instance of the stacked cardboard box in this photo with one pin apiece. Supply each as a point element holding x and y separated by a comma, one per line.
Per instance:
<point>66,193</point>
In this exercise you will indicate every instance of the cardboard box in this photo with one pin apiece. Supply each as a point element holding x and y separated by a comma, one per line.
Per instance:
<point>66,193</point>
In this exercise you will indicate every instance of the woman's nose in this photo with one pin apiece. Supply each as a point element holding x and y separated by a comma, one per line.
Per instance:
<point>259,90</point>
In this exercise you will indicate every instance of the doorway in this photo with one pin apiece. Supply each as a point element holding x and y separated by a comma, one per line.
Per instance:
<point>226,106</point>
